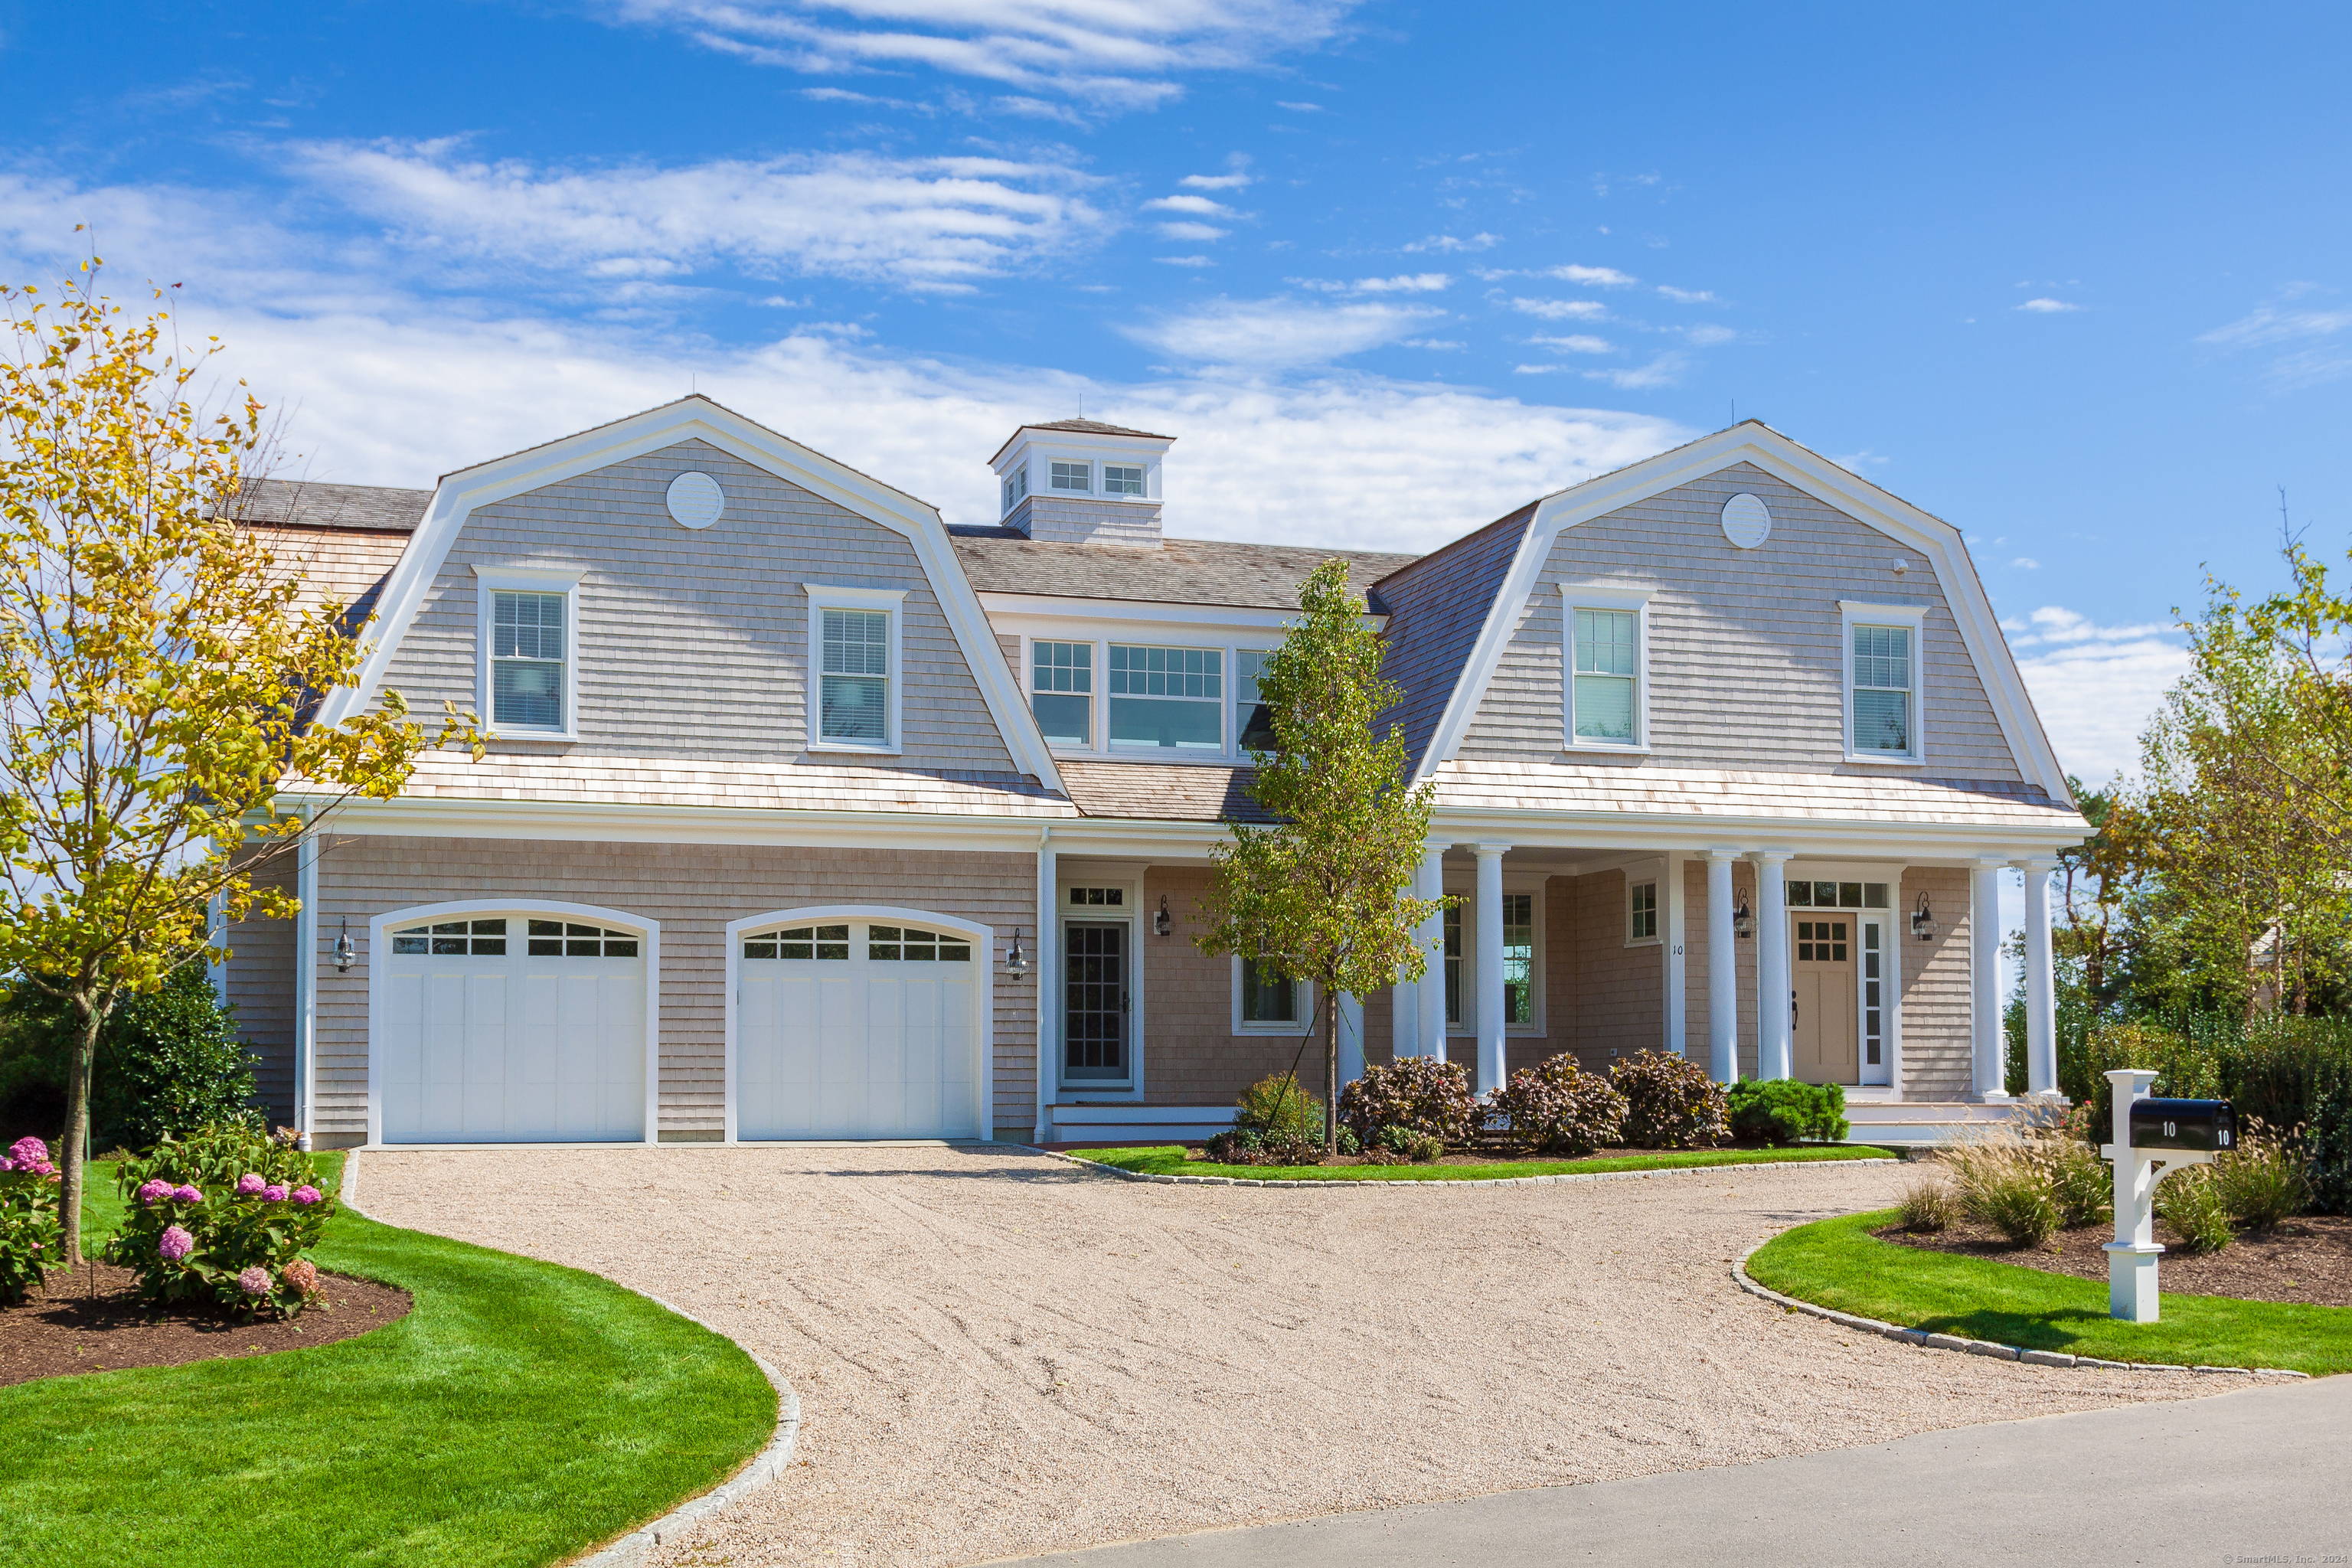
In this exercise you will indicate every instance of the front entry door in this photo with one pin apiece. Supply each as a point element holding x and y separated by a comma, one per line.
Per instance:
<point>1094,1003</point>
<point>1824,1044</point>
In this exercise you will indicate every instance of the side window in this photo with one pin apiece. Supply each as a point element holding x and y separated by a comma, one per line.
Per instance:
<point>1885,691</point>
<point>854,700</point>
<point>1061,692</point>
<point>1268,996</point>
<point>1518,958</point>
<point>1078,477</point>
<point>1122,481</point>
<point>1253,720</point>
<point>1453,962</point>
<point>527,655</point>
<point>1604,691</point>
<point>1641,912</point>
<point>1167,699</point>
<point>1016,487</point>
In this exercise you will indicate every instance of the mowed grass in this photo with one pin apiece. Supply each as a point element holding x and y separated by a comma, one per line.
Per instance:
<point>1838,1263</point>
<point>1168,1159</point>
<point>519,1414</point>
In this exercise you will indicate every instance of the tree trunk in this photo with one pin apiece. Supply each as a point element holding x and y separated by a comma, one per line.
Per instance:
<point>1331,1072</point>
<point>77,1150</point>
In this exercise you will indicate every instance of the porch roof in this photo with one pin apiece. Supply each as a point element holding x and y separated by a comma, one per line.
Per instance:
<point>1655,792</point>
<point>602,779</point>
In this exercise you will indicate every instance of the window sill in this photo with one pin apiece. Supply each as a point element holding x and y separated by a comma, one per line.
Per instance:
<point>550,737</point>
<point>854,748</point>
<point>1616,748</point>
<point>1885,761</point>
<point>1647,941</point>
<point>1271,1031</point>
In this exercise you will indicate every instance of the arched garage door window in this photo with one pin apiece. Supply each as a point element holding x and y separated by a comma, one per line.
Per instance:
<point>509,1026</point>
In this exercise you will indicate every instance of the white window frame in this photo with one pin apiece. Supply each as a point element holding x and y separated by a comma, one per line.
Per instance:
<point>1102,478</point>
<point>1129,879</point>
<point>1466,890</point>
<point>1016,488</point>
<point>823,596</point>
<point>1575,596</point>
<point>1853,613</point>
<point>487,581</point>
<point>1303,990</point>
<point>1657,882</point>
<point>1085,463</point>
<point>1098,711</point>
<point>1224,702</point>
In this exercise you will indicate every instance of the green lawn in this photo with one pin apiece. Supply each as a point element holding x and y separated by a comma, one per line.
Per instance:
<point>519,1414</point>
<point>1838,1263</point>
<point>1168,1159</point>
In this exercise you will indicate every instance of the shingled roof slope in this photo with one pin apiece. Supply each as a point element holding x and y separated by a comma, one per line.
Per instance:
<point>309,503</point>
<point>1436,606</point>
<point>1175,571</point>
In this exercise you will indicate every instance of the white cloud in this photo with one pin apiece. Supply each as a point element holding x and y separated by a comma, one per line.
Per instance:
<point>1562,310</point>
<point>1447,242</point>
<point>2026,563</point>
<point>1193,231</point>
<point>1688,296</point>
<point>1111,54</point>
<point>1537,369</point>
<point>2322,359</point>
<point>1199,206</point>
<point>1591,277</point>
<point>1578,344</point>
<point>2047,307</point>
<point>1299,107</point>
<point>1403,283</point>
<point>926,223</point>
<point>1667,370</point>
<point>2096,686</point>
<point>1183,261</point>
<point>1215,182</point>
<point>1271,334</point>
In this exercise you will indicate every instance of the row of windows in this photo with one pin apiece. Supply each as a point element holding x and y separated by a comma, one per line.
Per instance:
<point>883,944</point>
<point>1076,477</point>
<point>1153,698</point>
<point>488,938</point>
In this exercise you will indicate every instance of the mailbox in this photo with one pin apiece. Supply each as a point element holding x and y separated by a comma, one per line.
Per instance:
<point>2210,1126</point>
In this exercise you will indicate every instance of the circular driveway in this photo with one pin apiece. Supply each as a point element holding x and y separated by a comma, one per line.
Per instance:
<point>999,1353</point>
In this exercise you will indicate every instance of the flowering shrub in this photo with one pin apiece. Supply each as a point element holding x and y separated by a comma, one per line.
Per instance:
<point>1420,1094</point>
<point>1559,1108</point>
<point>224,1217</point>
<point>1670,1102</point>
<point>29,1218</point>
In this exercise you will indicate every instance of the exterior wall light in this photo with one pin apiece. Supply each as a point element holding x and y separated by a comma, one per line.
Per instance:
<point>1160,925</point>
<point>1742,922</point>
<point>1923,920</point>
<point>1016,962</point>
<point>344,950</point>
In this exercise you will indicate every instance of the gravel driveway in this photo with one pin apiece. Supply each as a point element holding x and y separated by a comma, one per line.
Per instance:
<point>999,1353</point>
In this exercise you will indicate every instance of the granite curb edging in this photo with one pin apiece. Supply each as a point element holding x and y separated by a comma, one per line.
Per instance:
<point>1563,1176</point>
<point>1926,1339</point>
<point>629,1551</point>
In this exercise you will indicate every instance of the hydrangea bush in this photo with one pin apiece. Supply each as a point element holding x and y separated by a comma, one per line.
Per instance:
<point>223,1215</point>
<point>29,1218</point>
<point>1419,1094</point>
<point>1557,1108</point>
<point>1670,1102</point>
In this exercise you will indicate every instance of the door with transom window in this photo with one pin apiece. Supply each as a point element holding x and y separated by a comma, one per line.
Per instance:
<point>858,1028</point>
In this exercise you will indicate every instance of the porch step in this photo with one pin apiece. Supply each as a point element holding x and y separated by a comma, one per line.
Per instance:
<point>1931,1123</point>
<point>1138,1123</point>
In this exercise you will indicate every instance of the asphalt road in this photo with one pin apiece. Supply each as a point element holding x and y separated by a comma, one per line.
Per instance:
<point>2258,1475</point>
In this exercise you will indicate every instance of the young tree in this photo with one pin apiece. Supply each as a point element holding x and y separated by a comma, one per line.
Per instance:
<point>156,675</point>
<point>1323,894</point>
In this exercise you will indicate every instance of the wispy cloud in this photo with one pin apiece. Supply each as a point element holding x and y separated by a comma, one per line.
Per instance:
<point>2096,686</point>
<point>1688,296</point>
<point>1299,107</point>
<point>2026,563</point>
<point>1191,231</point>
<point>1562,310</point>
<point>1199,207</point>
<point>1667,370</point>
<point>1183,260</point>
<point>1403,283</point>
<point>2047,307</point>
<point>1274,335</point>
<point>1590,277</point>
<point>1448,243</point>
<point>1578,344</point>
<point>2323,338</point>
<point>1707,336</point>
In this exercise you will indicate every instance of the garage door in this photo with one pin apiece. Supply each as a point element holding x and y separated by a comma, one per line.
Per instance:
<point>513,1028</point>
<point>853,1029</point>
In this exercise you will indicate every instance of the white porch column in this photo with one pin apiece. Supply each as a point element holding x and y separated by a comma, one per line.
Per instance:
<point>2041,988</point>
<point>1990,1077</point>
<point>1351,1039</point>
<point>1722,970</point>
<point>1431,937</point>
<point>1772,984</point>
<point>1490,966</point>
<point>1670,915</point>
<point>1048,951</point>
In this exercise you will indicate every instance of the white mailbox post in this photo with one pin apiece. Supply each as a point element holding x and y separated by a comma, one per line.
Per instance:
<point>2131,1257</point>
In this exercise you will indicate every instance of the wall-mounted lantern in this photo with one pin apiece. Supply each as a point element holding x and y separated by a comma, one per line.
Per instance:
<point>1016,962</point>
<point>1160,925</point>
<point>1742,922</point>
<point>1923,920</point>
<point>344,950</point>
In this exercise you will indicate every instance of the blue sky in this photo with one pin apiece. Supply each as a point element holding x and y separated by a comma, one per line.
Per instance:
<point>2078,280</point>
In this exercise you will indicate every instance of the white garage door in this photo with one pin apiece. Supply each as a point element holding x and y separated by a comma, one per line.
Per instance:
<point>512,1028</point>
<point>858,1030</point>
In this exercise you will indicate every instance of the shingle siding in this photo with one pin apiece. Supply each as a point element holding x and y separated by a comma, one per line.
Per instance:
<point>1746,669</point>
<point>1937,1001</point>
<point>259,983</point>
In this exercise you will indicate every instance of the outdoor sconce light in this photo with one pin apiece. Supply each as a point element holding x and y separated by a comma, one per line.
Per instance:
<point>1742,921</point>
<point>1016,962</point>
<point>344,950</point>
<point>1160,923</point>
<point>1923,920</point>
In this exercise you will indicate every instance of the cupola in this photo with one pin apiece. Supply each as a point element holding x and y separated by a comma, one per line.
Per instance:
<point>1080,481</point>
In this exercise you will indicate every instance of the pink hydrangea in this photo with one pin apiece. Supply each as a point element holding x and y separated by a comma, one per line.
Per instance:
<point>153,1193</point>
<point>187,1194</point>
<point>306,1195</point>
<point>175,1243</point>
<point>303,1275</point>
<point>27,1153</point>
<point>253,1281</point>
<point>275,1192</point>
<point>248,1184</point>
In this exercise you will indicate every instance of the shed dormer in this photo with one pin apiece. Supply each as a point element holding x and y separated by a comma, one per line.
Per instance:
<point>1078,481</point>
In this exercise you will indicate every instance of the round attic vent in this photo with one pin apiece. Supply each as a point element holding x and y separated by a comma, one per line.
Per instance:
<point>1747,521</point>
<point>695,500</point>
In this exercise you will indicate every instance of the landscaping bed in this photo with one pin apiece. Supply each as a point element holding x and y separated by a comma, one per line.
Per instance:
<point>2306,1259</point>
<point>1191,1160</point>
<point>96,1322</point>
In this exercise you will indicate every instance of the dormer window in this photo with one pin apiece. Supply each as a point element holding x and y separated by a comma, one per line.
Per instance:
<point>1122,481</point>
<point>1074,477</point>
<point>1016,487</point>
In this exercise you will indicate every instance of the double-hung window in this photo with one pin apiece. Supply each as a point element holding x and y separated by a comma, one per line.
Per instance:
<point>1640,914</point>
<point>1883,681</point>
<point>1253,719</point>
<point>1608,654</point>
<point>526,654</point>
<point>1271,1000</point>
<point>1518,958</point>
<point>1061,692</point>
<point>1167,699</point>
<point>1120,480</point>
<point>854,668</point>
<point>1074,477</point>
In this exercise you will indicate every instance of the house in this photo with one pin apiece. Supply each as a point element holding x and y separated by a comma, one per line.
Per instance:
<point>782,768</point>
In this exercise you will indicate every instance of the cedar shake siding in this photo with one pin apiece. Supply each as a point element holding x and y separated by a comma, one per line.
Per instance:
<point>695,644</point>
<point>1938,1006</point>
<point>693,890</point>
<point>1747,666</point>
<point>258,983</point>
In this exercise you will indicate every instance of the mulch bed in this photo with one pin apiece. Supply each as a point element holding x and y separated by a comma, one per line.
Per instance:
<point>96,1322</point>
<point>2307,1260</point>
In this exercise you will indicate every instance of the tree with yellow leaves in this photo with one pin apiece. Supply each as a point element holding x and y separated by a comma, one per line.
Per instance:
<point>158,675</point>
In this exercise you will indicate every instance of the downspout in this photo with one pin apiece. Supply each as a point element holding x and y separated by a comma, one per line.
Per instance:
<point>305,977</point>
<point>1046,955</point>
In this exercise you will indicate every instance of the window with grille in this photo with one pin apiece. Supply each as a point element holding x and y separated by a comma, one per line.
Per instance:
<point>1518,958</point>
<point>830,943</point>
<point>1122,481</point>
<point>1016,487</point>
<point>1100,897</point>
<point>910,944</point>
<point>527,636</point>
<point>854,700</point>
<point>453,939</point>
<point>1822,941</point>
<point>1874,1015</point>
<point>1072,477</point>
<point>1253,719</point>
<point>570,939</point>
<point>1453,964</point>
<point>1883,671</point>
<point>1268,996</point>
<point>1167,699</point>
<point>1608,670</point>
<point>1641,912</point>
<point>1837,895</point>
<point>1061,692</point>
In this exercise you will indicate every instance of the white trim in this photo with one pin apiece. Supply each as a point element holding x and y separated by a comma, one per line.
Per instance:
<point>697,419</point>
<point>1650,875</point>
<point>1575,597</point>
<point>1913,617</point>
<point>1072,872</point>
<point>1228,648</point>
<point>891,602</point>
<point>648,928</point>
<point>1046,949</point>
<point>306,990</point>
<point>1672,914</point>
<point>983,941</point>
<point>1461,886</point>
<point>1302,995</point>
<point>487,581</point>
<point>1890,945</point>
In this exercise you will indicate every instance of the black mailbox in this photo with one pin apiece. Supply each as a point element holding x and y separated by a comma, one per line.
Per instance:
<point>2208,1125</point>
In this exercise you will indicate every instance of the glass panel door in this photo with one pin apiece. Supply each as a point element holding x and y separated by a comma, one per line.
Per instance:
<point>1094,1001</point>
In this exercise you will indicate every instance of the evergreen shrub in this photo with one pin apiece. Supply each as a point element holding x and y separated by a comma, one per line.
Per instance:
<point>1783,1110</point>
